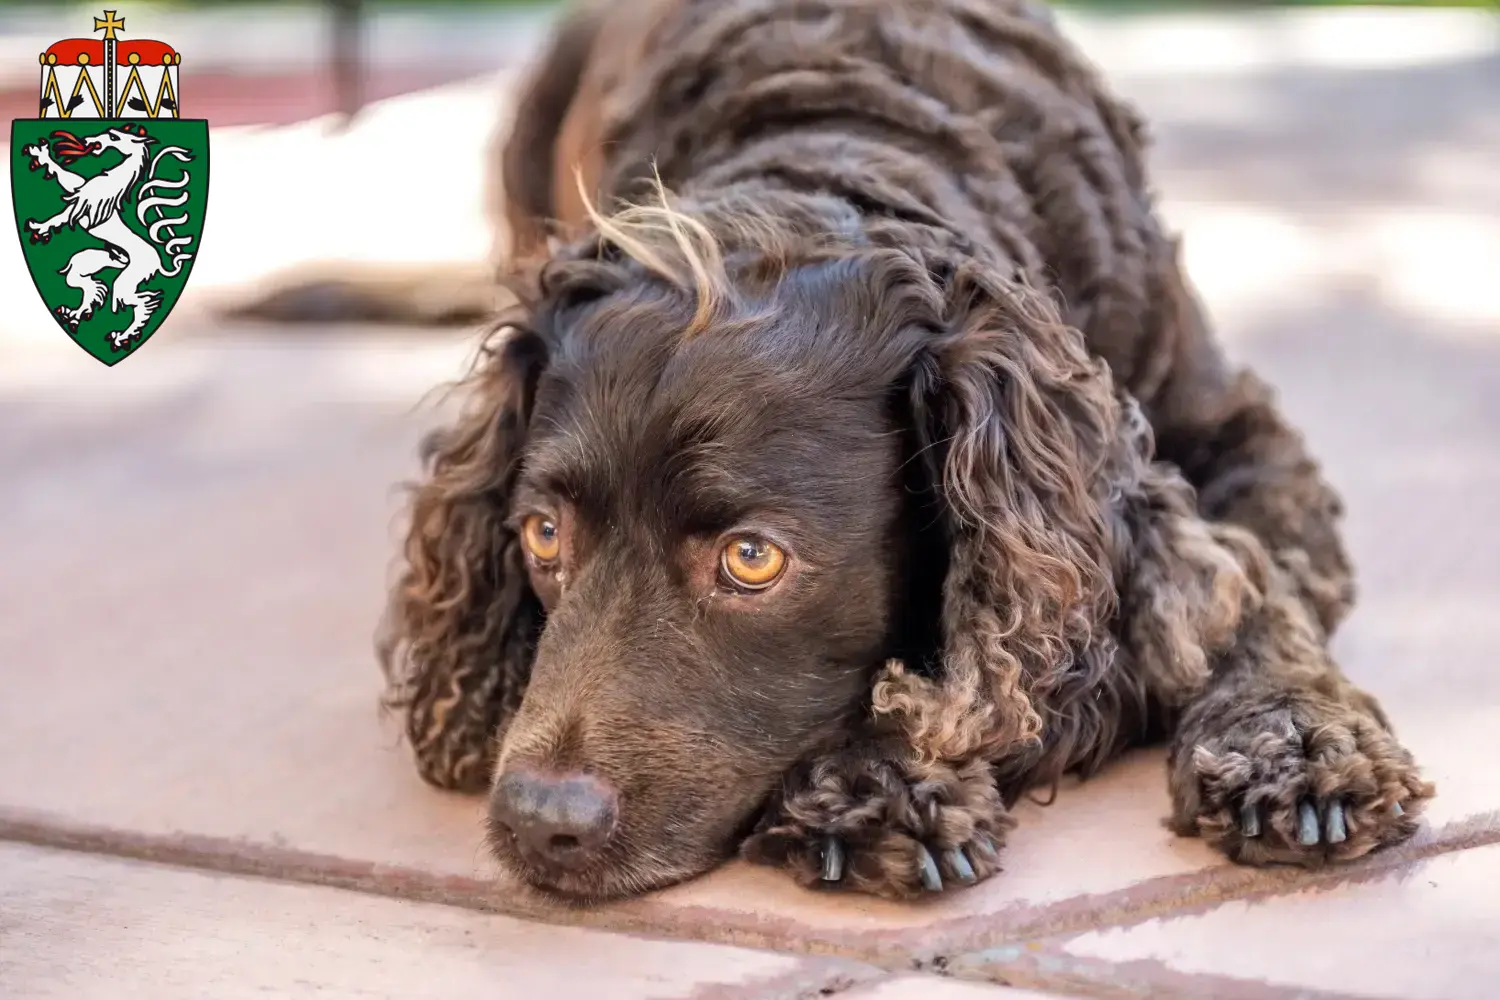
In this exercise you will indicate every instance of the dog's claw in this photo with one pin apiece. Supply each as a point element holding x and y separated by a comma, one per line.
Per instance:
<point>1396,810</point>
<point>1250,821</point>
<point>833,859</point>
<point>959,862</point>
<point>1307,824</point>
<point>1334,825</point>
<point>931,880</point>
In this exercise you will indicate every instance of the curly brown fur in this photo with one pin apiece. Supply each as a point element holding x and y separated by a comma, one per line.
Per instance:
<point>908,314</point>
<point>462,623</point>
<point>1281,732</point>
<point>884,810</point>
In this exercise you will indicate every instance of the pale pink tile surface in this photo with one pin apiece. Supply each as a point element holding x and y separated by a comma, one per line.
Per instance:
<point>76,927</point>
<point>932,988</point>
<point>1428,932</point>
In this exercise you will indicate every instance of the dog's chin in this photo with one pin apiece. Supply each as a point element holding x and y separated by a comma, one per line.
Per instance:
<point>613,877</point>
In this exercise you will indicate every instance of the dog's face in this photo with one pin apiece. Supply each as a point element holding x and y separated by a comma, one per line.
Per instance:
<point>720,529</point>
<point>692,536</point>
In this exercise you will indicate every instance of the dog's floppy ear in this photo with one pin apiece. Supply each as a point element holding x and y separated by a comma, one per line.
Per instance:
<point>462,622</point>
<point>1014,422</point>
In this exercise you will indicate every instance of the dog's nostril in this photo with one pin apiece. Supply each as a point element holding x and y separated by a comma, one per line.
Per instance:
<point>563,819</point>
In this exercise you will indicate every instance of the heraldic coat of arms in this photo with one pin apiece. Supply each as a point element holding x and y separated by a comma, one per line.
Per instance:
<point>110,186</point>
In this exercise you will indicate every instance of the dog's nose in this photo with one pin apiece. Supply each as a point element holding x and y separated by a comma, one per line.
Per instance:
<point>563,818</point>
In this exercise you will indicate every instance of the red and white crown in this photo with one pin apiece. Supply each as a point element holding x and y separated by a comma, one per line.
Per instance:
<point>110,78</point>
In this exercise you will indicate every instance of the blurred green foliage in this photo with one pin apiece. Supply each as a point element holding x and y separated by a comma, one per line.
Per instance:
<point>1095,5</point>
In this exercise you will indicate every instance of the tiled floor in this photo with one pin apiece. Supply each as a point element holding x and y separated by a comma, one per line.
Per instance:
<point>193,546</point>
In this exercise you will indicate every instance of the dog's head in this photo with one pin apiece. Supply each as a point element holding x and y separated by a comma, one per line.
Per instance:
<point>702,500</point>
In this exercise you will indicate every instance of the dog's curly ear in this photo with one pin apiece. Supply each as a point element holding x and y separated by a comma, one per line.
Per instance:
<point>1015,422</point>
<point>462,622</point>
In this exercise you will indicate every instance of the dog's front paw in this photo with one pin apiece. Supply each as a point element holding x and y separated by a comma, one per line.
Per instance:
<point>1304,783</point>
<point>858,820</point>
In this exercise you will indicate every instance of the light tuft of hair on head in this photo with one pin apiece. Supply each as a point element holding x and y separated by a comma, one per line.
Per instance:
<point>670,243</point>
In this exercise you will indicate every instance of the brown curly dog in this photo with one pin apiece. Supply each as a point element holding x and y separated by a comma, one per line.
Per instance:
<point>884,469</point>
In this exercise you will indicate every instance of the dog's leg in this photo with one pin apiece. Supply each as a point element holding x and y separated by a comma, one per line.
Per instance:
<point>1280,759</point>
<point>1275,755</point>
<point>872,817</point>
<point>1222,427</point>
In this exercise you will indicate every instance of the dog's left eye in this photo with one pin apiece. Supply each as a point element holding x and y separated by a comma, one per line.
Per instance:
<point>541,537</point>
<point>752,563</point>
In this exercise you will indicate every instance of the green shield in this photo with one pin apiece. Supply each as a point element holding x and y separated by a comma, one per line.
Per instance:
<point>110,216</point>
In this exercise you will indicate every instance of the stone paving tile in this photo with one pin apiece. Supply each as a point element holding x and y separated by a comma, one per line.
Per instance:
<point>75,927</point>
<point>1430,931</point>
<point>930,988</point>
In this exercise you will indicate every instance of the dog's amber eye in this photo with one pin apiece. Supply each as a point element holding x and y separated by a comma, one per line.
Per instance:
<point>752,563</point>
<point>541,537</point>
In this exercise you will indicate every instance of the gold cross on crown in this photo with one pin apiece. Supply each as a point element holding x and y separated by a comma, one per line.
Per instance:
<point>109,24</point>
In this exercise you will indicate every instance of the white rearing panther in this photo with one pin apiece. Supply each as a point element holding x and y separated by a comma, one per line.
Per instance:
<point>93,204</point>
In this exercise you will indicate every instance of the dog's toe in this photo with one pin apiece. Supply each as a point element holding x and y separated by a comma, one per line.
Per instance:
<point>1313,785</point>
<point>833,859</point>
<point>1335,828</point>
<point>1307,824</point>
<point>932,879</point>
<point>1250,821</point>
<point>959,863</point>
<point>866,828</point>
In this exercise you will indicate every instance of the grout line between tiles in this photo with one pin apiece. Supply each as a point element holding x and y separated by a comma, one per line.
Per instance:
<point>1174,896</point>
<point>1003,947</point>
<point>812,979</point>
<point>1048,969</point>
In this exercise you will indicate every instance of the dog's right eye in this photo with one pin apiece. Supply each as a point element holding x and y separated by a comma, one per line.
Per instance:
<point>541,538</point>
<point>752,563</point>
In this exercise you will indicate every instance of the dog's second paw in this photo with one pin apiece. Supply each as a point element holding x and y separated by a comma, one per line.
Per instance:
<point>856,820</point>
<point>1305,784</point>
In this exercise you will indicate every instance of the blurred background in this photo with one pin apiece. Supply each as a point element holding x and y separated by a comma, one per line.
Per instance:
<point>194,544</point>
<point>1275,117</point>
